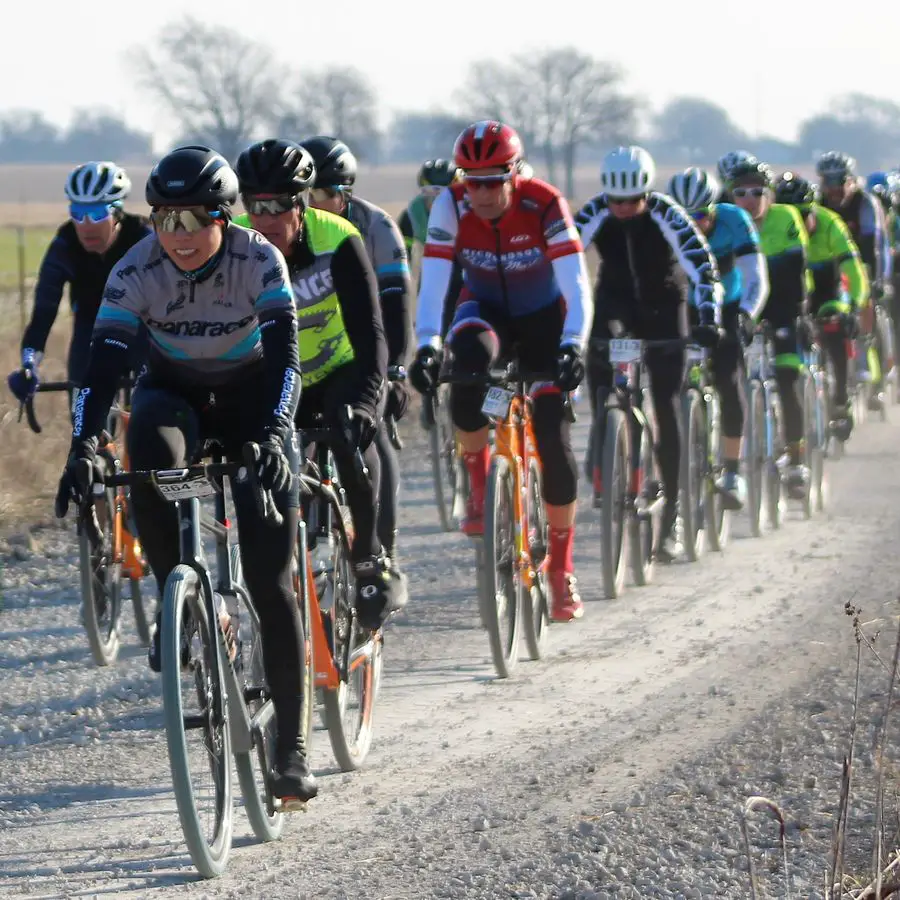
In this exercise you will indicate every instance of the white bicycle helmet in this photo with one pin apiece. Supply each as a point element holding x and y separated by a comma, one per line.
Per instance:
<point>98,182</point>
<point>627,172</point>
<point>729,162</point>
<point>694,188</point>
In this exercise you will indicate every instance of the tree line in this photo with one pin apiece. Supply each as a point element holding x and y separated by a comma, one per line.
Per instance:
<point>218,87</point>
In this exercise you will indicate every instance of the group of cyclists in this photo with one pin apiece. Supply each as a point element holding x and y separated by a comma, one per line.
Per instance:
<point>249,328</point>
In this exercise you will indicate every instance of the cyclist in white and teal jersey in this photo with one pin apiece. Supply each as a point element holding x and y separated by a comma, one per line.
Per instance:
<point>734,241</point>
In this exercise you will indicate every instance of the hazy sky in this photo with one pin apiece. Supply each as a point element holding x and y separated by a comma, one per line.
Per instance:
<point>771,64</point>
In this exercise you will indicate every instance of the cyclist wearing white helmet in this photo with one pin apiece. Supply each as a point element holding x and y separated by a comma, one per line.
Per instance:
<point>742,266</point>
<point>647,243</point>
<point>82,255</point>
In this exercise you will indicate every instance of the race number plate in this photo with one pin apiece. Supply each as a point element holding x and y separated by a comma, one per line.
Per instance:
<point>695,355</point>
<point>172,486</point>
<point>496,402</point>
<point>624,350</point>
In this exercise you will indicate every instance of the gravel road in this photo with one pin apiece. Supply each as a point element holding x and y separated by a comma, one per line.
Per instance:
<point>616,767</point>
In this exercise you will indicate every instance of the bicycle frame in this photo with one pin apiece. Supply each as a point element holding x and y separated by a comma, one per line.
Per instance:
<point>514,441</point>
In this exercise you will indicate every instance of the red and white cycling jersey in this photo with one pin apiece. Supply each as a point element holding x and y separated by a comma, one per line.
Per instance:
<point>524,261</point>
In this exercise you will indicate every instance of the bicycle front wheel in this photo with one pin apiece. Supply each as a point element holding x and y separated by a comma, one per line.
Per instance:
<point>691,487</point>
<point>499,584</point>
<point>254,768</point>
<point>535,602</point>
<point>196,722</point>
<point>357,653</point>
<point>442,451</point>
<point>755,455</point>
<point>615,476</point>
<point>101,590</point>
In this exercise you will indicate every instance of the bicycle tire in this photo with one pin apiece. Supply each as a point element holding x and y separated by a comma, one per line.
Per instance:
<point>643,532</point>
<point>535,602</point>
<point>358,656</point>
<point>822,438</point>
<point>492,594</point>
<point>808,503</point>
<point>717,517</point>
<point>444,465</point>
<point>691,481</point>
<point>774,485</point>
<point>266,822</point>
<point>184,588</point>
<point>103,636</point>
<point>615,472</point>
<point>754,441</point>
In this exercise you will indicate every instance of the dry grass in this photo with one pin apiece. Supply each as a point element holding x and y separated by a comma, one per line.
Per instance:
<point>31,464</point>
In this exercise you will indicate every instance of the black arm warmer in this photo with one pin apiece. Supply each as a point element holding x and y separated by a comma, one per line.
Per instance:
<point>282,379</point>
<point>357,291</point>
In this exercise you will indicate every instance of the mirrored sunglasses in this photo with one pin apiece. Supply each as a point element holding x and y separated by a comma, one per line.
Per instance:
<point>269,206</point>
<point>89,212</point>
<point>190,218</point>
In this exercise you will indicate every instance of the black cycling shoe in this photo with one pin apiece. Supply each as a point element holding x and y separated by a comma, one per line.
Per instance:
<point>293,783</point>
<point>380,591</point>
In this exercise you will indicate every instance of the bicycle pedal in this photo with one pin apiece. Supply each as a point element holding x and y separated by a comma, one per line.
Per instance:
<point>290,804</point>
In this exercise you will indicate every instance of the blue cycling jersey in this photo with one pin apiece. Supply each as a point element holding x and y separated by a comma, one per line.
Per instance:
<point>733,235</point>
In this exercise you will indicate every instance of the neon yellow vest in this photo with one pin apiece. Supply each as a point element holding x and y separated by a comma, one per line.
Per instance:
<point>321,334</point>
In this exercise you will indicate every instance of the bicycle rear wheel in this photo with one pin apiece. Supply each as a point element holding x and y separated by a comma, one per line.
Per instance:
<point>194,707</point>
<point>350,709</point>
<point>101,589</point>
<point>499,584</point>
<point>535,602</point>
<point>615,476</point>
<point>254,768</point>
<point>691,487</point>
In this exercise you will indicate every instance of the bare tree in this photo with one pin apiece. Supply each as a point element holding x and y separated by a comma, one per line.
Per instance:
<point>579,100</point>
<point>557,100</point>
<point>214,82</point>
<point>339,101</point>
<point>501,91</point>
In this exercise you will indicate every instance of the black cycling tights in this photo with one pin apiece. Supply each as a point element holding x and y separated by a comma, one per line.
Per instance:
<point>325,399</point>
<point>167,430</point>
<point>666,369</point>
<point>390,490</point>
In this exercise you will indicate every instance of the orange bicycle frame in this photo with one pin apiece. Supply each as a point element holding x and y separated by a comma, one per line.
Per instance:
<point>514,441</point>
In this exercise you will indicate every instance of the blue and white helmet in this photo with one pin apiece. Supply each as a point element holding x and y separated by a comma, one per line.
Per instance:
<point>98,182</point>
<point>694,188</point>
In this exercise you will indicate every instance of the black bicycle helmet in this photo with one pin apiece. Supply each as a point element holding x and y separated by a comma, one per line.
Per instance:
<point>751,171</point>
<point>335,163</point>
<point>275,166</point>
<point>835,166</point>
<point>795,190</point>
<point>192,176</point>
<point>438,173</point>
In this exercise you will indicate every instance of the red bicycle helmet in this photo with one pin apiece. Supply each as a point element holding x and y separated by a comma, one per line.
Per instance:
<point>487,145</point>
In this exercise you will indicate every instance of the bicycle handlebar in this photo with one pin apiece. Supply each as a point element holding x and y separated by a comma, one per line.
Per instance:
<point>265,503</point>
<point>49,387</point>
